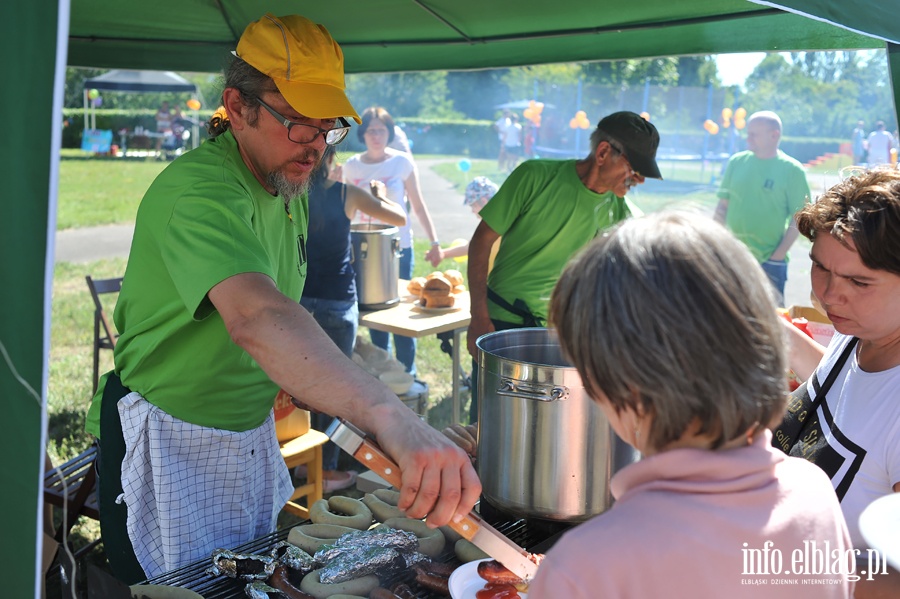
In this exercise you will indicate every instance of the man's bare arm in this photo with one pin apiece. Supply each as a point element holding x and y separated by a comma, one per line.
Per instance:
<point>790,236</point>
<point>297,355</point>
<point>721,211</point>
<point>479,257</point>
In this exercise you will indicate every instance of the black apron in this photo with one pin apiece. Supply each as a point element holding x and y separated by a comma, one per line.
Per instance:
<point>800,433</point>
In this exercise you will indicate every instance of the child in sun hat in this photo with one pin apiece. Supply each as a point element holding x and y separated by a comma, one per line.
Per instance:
<point>478,192</point>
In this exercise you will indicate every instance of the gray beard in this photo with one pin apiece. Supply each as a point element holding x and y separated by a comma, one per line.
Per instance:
<point>286,190</point>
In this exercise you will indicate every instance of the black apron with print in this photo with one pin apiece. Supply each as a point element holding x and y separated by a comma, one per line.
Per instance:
<point>801,434</point>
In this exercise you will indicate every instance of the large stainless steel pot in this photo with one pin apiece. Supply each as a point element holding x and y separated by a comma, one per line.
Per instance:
<point>545,450</point>
<point>376,260</point>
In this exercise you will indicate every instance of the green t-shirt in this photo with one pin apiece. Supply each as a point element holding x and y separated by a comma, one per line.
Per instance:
<point>544,214</point>
<point>205,218</point>
<point>763,196</point>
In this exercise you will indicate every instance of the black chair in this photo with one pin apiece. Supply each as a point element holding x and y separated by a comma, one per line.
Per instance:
<point>72,487</point>
<point>105,335</point>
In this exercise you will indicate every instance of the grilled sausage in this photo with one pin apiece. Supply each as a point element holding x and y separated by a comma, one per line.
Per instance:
<point>342,511</point>
<point>381,509</point>
<point>438,568</point>
<point>403,591</point>
<point>495,572</point>
<point>432,582</point>
<point>279,580</point>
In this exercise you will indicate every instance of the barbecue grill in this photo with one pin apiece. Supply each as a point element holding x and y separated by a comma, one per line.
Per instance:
<point>530,536</point>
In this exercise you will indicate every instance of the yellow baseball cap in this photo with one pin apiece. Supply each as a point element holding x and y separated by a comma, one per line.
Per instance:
<point>305,62</point>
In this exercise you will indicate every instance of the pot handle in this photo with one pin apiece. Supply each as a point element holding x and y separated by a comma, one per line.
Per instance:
<point>548,393</point>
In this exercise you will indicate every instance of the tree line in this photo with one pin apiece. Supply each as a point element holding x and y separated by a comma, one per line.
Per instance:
<point>817,94</point>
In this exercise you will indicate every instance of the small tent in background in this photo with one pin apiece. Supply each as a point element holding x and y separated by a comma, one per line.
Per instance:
<point>136,81</point>
<point>43,37</point>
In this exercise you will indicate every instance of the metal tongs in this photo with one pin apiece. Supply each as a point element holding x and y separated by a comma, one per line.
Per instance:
<point>472,527</point>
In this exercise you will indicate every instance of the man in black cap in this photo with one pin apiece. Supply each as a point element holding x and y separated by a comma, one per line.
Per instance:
<point>545,212</point>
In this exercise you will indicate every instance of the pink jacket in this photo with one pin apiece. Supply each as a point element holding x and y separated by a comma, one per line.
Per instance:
<point>697,523</point>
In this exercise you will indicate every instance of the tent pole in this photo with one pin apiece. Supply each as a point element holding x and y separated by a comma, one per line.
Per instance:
<point>85,95</point>
<point>893,56</point>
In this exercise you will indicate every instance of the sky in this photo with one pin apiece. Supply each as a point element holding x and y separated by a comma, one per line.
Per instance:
<point>734,68</point>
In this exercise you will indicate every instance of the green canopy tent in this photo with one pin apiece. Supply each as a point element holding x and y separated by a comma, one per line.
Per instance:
<point>40,38</point>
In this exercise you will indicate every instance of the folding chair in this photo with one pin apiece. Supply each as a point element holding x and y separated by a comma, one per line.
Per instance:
<point>105,339</point>
<point>79,497</point>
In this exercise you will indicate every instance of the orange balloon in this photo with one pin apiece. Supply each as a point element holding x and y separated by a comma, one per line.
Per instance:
<point>573,123</point>
<point>739,123</point>
<point>726,123</point>
<point>581,114</point>
<point>532,104</point>
<point>528,113</point>
<point>711,127</point>
<point>645,115</point>
<point>539,106</point>
<point>193,104</point>
<point>726,114</point>
<point>740,113</point>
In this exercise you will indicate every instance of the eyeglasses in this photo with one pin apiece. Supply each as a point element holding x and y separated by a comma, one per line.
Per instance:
<point>618,148</point>
<point>302,133</point>
<point>371,131</point>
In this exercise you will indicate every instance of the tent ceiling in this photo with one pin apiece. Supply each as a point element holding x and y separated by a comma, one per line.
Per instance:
<point>400,35</point>
<point>140,81</point>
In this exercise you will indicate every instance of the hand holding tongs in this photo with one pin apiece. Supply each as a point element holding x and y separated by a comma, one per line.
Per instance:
<point>472,527</point>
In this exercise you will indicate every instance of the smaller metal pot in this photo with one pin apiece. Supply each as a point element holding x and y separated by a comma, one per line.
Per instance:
<point>376,260</point>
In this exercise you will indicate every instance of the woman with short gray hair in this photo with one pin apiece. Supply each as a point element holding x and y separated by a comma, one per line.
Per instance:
<point>671,324</point>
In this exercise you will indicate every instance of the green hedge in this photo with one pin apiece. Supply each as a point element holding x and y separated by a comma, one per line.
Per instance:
<point>116,120</point>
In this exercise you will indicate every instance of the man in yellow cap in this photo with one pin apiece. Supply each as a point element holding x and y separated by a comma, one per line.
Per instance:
<point>211,328</point>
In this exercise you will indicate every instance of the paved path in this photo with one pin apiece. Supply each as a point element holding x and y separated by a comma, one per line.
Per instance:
<point>451,218</point>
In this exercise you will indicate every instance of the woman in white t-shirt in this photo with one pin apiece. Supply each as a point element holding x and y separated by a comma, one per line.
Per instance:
<point>398,173</point>
<point>846,417</point>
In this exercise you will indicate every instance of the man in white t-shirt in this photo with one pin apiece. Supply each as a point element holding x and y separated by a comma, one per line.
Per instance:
<point>512,142</point>
<point>880,144</point>
<point>500,126</point>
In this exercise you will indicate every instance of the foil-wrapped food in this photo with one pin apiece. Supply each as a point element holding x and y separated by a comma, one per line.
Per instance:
<point>292,557</point>
<point>379,536</point>
<point>360,561</point>
<point>241,566</point>
<point>260,590</point>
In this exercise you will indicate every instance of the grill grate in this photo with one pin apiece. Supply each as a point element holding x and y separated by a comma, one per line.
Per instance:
<point>194,577</point>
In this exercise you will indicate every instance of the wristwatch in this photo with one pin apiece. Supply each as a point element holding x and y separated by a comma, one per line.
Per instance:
<point>435,243</point>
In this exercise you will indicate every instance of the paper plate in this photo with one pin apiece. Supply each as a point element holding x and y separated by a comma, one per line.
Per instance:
<point>465,581</point>
<point>879,524</point>
<point>156,591</point>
